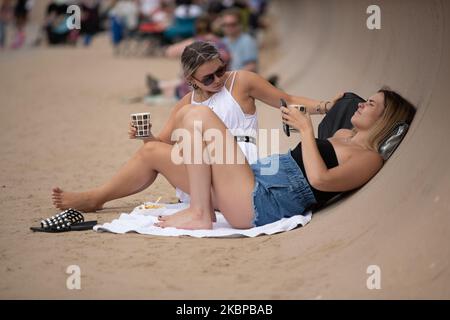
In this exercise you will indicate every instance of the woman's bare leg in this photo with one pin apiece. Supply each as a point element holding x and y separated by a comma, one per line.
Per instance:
<point>136,175</point>
<point>232,184</point>
<point>200,214</point>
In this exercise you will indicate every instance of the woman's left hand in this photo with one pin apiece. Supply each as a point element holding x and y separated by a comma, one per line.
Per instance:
<point>297,119</point>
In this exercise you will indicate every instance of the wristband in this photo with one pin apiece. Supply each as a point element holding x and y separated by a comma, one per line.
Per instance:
<point>326,109</point>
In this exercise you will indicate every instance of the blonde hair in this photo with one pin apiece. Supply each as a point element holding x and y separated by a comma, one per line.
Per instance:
<point>396,109</point>
<point>196,54</point>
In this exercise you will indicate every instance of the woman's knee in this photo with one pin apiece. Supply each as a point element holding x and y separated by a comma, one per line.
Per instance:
<point>191,112</point>
<point>197,113</point>
<point>150,149</point>
<point>180,114</point>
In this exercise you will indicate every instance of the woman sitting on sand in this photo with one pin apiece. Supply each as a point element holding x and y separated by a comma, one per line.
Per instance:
<point>230,95</point>
<point>249,196</point>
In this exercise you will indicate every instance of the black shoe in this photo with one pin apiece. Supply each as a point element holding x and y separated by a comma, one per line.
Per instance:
<point>68,220</point>
<point>153,86</point>
<point>273,79</point>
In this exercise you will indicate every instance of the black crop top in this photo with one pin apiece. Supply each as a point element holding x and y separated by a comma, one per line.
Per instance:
<point>329,157</point>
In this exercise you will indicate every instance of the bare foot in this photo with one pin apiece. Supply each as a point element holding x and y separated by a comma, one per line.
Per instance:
<point>190,219</point>
<point>84,201</point>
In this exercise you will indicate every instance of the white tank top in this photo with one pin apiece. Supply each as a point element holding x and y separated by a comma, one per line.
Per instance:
<point>240,124</point>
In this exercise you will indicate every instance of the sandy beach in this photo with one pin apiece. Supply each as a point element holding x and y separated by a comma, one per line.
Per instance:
<point>64,116</point>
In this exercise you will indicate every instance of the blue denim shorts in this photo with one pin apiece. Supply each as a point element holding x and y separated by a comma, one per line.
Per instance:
<point>281,190</point>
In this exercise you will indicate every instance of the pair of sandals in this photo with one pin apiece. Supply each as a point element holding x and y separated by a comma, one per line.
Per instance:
<point>68,220</point>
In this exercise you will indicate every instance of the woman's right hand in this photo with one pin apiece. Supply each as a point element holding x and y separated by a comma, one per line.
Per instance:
<point>132,133</point>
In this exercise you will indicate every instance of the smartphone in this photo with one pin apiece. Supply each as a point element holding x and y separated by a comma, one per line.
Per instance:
<point>286,128</point>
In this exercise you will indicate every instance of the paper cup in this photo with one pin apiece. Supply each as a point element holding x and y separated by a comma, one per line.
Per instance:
<point>141,121</point>
<point>299,107</point>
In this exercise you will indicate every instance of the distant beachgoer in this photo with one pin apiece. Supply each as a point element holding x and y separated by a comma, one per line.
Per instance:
<point>179,87</point>
<point>183,25</point>
<point>124,21</point>
<point>21,10</point>
<point>90,19</point>
<point>6,15</point>
<point>243,47</point>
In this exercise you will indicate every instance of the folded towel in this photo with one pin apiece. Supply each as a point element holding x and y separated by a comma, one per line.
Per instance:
<point>142,218</point>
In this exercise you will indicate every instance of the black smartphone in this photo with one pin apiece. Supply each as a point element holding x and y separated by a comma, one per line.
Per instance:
<point>286,128</point>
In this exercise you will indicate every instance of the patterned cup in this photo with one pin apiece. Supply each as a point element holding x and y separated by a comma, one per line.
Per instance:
<point>302,108</point>
<point>141,121</point>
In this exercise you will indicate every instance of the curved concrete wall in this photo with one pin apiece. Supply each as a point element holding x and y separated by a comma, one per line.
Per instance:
<point>399,221</point>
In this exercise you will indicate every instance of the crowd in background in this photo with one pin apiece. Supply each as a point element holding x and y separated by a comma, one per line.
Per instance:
<point>168,20</point>
<point>162,27</point>
<point>16,13</point>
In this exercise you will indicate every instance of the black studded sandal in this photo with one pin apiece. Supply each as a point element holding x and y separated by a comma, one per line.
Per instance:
<point>67,220</point>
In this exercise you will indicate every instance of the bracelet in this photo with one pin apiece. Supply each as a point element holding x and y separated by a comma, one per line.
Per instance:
<point>318,108</point>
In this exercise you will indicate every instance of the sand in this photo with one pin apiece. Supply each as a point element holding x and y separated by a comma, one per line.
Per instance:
<point>64,123</point>
<point>65,115</point>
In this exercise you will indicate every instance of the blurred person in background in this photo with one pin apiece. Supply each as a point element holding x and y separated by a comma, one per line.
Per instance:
<point>55,25</point>
<point>243,47</point>
<point>21,10</point>
<point>203,32</point>
<point>215,8</point>
<point>54,28</point>
<point>156,23</point>
<point>178,88</point>
<point>183,25</point>
<point>147,7</point>
<point>6,14</point>
<point>258,9</point>
<point>90,19</point>
<point>124,19</point>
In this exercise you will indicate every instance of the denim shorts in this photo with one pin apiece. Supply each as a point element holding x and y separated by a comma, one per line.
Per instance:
<point>281,190</point>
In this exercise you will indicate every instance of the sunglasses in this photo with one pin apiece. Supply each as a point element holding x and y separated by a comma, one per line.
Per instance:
<point>230,25</point>
<point>208,79</point>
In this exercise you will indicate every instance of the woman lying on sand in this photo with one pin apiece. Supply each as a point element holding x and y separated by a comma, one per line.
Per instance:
<point>249,196</point>
<point>230,95</point>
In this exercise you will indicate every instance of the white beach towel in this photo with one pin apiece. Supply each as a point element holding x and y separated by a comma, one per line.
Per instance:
<point>141,220</point>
